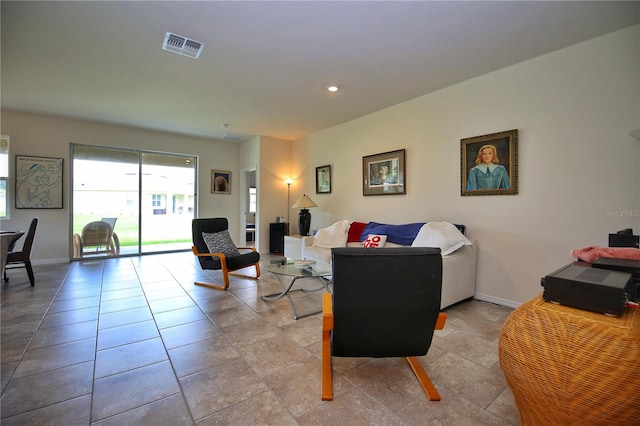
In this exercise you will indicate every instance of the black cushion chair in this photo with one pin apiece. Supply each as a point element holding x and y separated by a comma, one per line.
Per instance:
<point>22,258</point>
<point>385,303</point>
<point>215,257</point>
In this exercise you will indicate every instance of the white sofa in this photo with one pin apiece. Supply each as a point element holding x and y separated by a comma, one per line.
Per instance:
<point>458,268</point>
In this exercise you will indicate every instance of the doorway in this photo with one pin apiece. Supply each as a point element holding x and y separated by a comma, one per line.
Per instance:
<point>249,207</point>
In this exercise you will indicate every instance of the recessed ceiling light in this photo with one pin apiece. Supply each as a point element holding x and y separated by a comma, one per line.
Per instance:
<point>332,88</point>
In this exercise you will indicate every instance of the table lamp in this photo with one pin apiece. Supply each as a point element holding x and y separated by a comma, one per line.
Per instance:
<point>304,218</point>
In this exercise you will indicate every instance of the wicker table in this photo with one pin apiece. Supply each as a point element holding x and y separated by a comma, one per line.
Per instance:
<point>569,366</point>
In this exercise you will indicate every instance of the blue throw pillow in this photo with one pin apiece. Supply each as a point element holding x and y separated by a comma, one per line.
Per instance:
<point>398,234</point>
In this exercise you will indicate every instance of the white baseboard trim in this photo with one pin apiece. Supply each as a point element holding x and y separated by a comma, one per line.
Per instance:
<point>497,300</point>
<point>50,261</point>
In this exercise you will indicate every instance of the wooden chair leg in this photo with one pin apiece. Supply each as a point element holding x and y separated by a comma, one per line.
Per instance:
<point>327,326</point>
<point>211,285</point>
<point>423,378</point>
<point>256,276</point>
<point>418,370</point>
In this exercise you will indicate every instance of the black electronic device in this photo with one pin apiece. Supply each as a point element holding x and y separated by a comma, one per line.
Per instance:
<point>624,238</point>
<point>625,265</point>
<point>591,289</point>
<point>277,231</point>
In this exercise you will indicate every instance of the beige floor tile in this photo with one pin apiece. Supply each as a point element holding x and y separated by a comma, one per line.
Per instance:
<point>128,357</point>
<point>262,409</point>
<point>164,305</point>
<point>59,319</point>
<point>202,355</point>
<point>73,412</point>
<point>129,316</point>
<point>186,334</point>
<point>168,411</point>
<point>125,334</point>
<point>29,393</point>
<point>352,408</point>
<point>47,358</point>
<point>388,381</point>
<point>231,316</point>
<point>272,354</point>
<point>179,316</point>
<point>131,389</point>
<point>250,332</point>
<point>64,334</point>
<point>466,379</point>
<point>218,388</point>
<point>452,410</point>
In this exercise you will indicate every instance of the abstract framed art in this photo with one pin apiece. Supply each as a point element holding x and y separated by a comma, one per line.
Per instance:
<point>38,182</point>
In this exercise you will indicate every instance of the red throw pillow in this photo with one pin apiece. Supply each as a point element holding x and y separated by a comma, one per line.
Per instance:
<point>355,231</point>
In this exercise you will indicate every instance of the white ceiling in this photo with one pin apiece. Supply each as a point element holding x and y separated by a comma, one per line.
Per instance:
<point>266,64</point>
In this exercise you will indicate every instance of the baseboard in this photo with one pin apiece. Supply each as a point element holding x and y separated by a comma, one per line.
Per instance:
<point>497,300</point>
<point>49,261</point>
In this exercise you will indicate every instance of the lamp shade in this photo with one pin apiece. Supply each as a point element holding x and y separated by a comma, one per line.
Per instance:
<point>304,202</point>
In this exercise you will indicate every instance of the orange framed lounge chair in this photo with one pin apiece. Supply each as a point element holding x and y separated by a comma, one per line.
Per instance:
<point>385,303</point>
<point>215,250</point>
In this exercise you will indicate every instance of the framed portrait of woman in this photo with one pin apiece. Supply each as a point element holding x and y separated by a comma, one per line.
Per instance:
<point>489,164</point>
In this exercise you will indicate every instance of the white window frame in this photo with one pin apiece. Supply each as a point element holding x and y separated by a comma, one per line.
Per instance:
<point>4,175</point>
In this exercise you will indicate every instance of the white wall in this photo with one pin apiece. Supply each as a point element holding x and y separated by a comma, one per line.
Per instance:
<point>579,168</point>
<point>275,167</point>
<point>47,136</point>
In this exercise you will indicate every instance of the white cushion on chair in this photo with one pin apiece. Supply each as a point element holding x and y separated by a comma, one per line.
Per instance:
<point>220,242</point>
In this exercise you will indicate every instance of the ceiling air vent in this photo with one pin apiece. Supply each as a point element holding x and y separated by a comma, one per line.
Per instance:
<point>232,137</point>
<point>182,45</point>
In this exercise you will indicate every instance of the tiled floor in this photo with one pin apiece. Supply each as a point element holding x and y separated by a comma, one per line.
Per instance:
<point>134,341</point>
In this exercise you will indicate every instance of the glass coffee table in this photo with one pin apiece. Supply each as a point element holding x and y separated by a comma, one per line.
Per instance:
<point>296,270</point>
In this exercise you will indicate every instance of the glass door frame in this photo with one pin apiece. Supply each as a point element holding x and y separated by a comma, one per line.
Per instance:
<point>140,195</point>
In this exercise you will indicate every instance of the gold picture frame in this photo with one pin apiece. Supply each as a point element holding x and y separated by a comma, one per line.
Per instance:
<point>489,164</point>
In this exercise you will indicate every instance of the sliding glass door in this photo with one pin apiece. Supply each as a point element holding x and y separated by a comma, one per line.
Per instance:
<point>167,201</point>
<point>148,198</point>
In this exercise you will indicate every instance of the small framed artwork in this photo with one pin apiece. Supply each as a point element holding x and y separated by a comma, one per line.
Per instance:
<point>38,182</point>
<point>220,182</point>
<point>323,179</point>
<point>489,164</point>
<point>384,174</point>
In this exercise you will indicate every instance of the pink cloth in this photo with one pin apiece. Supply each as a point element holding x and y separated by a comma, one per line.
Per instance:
<point>591,253</point>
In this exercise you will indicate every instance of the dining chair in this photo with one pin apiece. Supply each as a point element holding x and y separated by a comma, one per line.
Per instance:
<point>22,258</point>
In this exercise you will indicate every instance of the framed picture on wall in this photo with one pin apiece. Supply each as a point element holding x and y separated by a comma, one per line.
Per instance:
<point>384,174</point>
<point>489,164</point>
<point>323,179</point>
<point>38,182</point>
<point>220,182</point>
